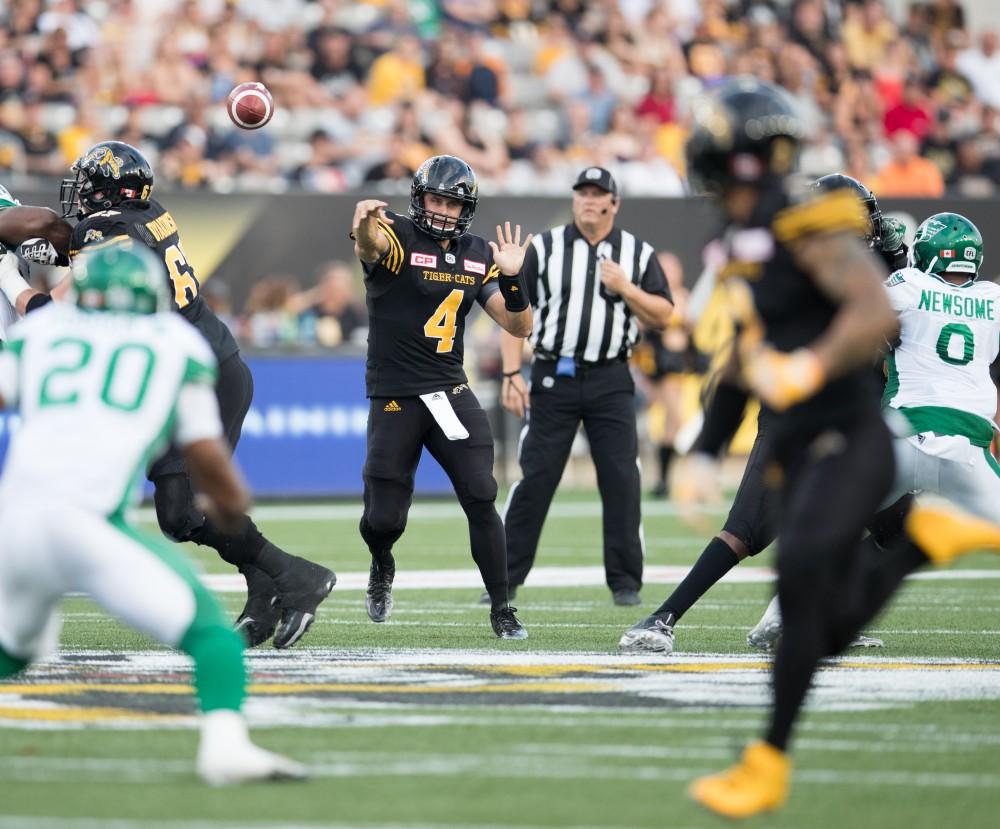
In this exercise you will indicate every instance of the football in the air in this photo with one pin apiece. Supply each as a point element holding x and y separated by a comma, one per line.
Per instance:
<point>250,105</point>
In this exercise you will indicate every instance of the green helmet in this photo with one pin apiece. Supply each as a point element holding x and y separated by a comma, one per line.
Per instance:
<point>126,278</point>
<point>948,243</point>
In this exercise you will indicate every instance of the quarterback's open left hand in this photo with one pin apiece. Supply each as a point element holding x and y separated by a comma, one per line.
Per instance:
<point>39,251</point>
<point>508,252</point>
<point>782,379</point>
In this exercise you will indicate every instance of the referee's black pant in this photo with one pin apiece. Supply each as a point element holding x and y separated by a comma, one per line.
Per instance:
<point>602,397</point>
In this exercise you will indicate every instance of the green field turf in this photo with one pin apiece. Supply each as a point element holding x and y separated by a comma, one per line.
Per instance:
<point>547,745</point>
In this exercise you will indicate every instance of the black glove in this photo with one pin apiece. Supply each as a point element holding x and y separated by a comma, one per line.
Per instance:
<point>41,252</point>
<point>515,298</point>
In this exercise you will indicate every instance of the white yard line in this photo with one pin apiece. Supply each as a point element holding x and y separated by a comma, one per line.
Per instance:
<point>582,576</point>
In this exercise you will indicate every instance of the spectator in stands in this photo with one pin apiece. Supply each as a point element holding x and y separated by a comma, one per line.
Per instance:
<point>982,67</point>
<point>911,113</point>
<point>331,313</point>
<point>658,102</point>
<point>866,32</point>
<point>973,177</point>
<point>939,145</point>
<point>398,74</point>
<point>41,152</point>
<point>908,174</point>
<point>268,316</point>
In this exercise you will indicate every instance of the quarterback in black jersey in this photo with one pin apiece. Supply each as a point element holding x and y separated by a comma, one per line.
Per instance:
<point>423,273</point>
<point>811,312</point>
<point>110,195</point>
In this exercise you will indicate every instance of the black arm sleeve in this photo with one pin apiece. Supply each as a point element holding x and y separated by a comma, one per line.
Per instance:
<point>723,415</point>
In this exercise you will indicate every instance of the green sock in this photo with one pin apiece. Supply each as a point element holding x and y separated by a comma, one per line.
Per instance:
<point>10,665</point>
<point>220,676</point>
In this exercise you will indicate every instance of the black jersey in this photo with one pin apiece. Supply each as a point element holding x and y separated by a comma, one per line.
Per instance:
<point>789,310</point>
<point>148,223</point>
<point>418,296</point>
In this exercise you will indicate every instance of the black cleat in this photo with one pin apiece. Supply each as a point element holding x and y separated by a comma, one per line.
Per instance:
<point>484,597</point>
<point>506,625</point>
<point>654,634</point>
<point>301,589</point>
<point>262,611</point>
<point>378,599</point>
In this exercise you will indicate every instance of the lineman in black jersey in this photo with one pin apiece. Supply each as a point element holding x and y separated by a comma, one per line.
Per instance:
<point>811,311</point>
<point>110,194</point>
<point>423,272</point>
<point>750,525</point>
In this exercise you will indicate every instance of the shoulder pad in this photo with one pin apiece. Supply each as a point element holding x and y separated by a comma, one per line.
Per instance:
<point>832,212</point>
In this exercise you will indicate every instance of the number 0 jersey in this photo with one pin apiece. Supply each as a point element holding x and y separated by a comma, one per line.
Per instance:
<point>418,297</point>
<point>148,223</point>
<point>100,394</point>
<point>949,336</point>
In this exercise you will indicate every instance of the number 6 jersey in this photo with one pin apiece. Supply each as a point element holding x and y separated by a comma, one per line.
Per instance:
<point>418,297</point>
<point>100,394</point>
<point>149,223</point>
<point>949,336</point>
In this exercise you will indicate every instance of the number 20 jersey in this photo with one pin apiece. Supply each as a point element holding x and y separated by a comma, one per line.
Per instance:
<point>949,336</point>
<point>150,224</point>
<point>99,395</point>
<point>418,296</point>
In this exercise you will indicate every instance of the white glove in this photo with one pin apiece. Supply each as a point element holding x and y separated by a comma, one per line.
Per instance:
<point>39,251</point>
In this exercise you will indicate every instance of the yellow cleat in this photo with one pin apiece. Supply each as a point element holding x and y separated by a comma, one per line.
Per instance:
<point>944,533</point>
<point>758,783</point>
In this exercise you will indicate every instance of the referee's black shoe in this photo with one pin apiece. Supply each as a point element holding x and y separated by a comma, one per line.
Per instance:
<point>378,599</point>
<point>262,611</point>
<point>301,589</point>
<point>506,625</point>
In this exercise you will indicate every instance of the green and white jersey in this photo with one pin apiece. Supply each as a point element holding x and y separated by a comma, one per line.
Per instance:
<point>939,374</point>
<point>8,316</point>
<point>100,395</point>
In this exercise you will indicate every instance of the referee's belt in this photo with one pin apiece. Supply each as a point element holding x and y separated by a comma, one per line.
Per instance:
<point>580,363</point>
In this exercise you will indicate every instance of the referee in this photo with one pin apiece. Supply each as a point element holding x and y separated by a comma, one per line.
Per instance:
<point>590,285</point>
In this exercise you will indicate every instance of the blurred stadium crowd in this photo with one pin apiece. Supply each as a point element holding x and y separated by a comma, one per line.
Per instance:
<point>527,91</point>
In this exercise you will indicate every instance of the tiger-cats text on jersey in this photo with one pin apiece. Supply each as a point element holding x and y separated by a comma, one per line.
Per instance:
<point>418,296</point>
<point>149,223</point>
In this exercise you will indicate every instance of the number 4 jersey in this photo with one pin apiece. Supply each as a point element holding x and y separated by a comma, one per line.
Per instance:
<point>418,298</point>
<point>147,222</point>
<point>100,394</point>
<point>949,336</point>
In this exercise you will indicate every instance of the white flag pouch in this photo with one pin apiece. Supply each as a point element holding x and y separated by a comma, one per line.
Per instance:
<point>440,408</point>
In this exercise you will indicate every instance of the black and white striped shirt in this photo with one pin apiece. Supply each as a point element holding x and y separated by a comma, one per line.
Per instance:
<point>574,315</point>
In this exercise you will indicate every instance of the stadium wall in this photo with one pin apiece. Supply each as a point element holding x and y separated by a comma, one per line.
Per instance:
<point>241,238</point>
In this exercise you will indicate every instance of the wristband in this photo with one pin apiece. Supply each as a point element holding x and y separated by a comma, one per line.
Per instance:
<point>515,298</point>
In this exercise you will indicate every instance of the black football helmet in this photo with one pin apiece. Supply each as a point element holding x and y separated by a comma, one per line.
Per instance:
<point>447,176</point>
<point>838,181</point>
<point>106,175</point>
<point>746,132</point>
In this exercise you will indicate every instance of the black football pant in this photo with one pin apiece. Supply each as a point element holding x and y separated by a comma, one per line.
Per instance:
<point>603,399</point>
<point>398,429</point>
<point>173,495</point>
<point>829,584</point>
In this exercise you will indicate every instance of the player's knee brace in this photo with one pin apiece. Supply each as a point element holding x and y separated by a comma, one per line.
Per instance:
<point>176,513</point>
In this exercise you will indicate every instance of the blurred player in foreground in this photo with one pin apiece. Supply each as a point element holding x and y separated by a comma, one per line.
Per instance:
<point>811,311</point>
<point>102,387</point>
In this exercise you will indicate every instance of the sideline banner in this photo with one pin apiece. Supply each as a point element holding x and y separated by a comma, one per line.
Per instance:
<point>304,435</point>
